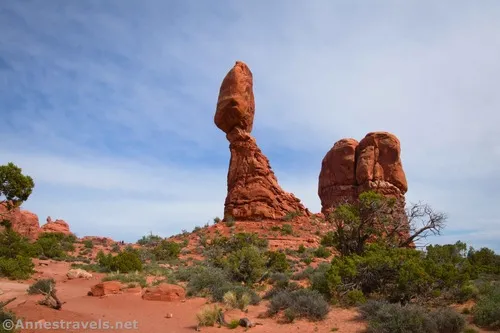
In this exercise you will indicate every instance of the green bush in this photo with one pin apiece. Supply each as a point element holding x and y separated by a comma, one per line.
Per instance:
<point>88,244</point>
<point>301,248</point>
<point>291,215</point>
<point>13,244</point>
<point>302,303</point>
<point>205,281</point>
<point>124,262</point>
<point>7,316</point>
<point>448,320</point>
<point>209,315</point>
<point>18,268</point>
<point>127,261</point>
<point>246,264</point>
<point>384,317</point>
<point>328,239</point>
<point>286,229</point>
<point>486,312</point>
<point>393,318</point>
<point>50,245</point>
<point>166,250</point>
<point>322,252</point>
<point>304,274</point>
<point>484,260</point>
<point>42,287</point>
<point>399,274</point>
<point>149,240</point>
<point>276,262</point>
<point>234,301</point>
<point>354,297</point>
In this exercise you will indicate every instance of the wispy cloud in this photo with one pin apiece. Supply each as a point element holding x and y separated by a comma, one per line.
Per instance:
<point>115,101</point>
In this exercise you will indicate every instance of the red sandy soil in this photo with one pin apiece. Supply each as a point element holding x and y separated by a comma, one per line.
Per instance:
<point>151,316</point>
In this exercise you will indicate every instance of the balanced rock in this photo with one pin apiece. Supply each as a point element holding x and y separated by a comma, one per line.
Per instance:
<point>253,190</point>
<point>350,168</point>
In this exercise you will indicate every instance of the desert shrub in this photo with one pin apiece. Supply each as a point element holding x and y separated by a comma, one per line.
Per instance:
<point>276,261</point>
<point>206,281</point>
<point>325,280</point>
<point>66,242</point>
<point>466,292</point>
<point>186,273</point>
<point>233,324</point>
<point>304,274</point>
<point>88,244</point>
<point>302,303</point>
<point>279,279</point>
<point>104,261</point>
<point>209,315</point>
<point>7,316</point>
<point>289,315</point>
<point>18,268</point>
<point>166,250</point>
<point>353,297</point>
<point>486,312</point>
<point>126,261</point>
<point>232,300</point>
<point>291,215</point>
<point>128,278</point>
<point>115,248</point>
<point>43,286</point>
<point>12,244</point>
<point>393,318</point>
<point>322,252</point>
<point>484,260</point>
<point>448,320</point>
<point>50,245</point>
<point>328,239</point>
<point>280,287</point>
<point>286,229</point>
<point>301,248</point>
<point>149,240</point>
<point>246,264</point>
<point>385,317</point>
<point>398,274</point>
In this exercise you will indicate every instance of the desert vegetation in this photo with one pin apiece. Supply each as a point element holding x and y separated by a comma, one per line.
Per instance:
<point>366,258</point>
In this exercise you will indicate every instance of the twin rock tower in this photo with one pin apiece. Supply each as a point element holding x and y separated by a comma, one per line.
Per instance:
<point>348,168</point>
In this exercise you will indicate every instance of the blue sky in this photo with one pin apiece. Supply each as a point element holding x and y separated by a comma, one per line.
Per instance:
<point>109,104</point>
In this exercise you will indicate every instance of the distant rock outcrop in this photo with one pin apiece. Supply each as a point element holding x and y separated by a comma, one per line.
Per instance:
<point>350,168</point>
<point>253,190</point>
<point>55,226</point>
<point>22,221</point>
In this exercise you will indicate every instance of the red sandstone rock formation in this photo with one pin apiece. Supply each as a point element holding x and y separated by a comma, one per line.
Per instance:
<point>164,292</point>
<point>350,168</point>
<point>106,288</point>
<point>22,221</point>
<point>253,190</point>
<point>55,226</point>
